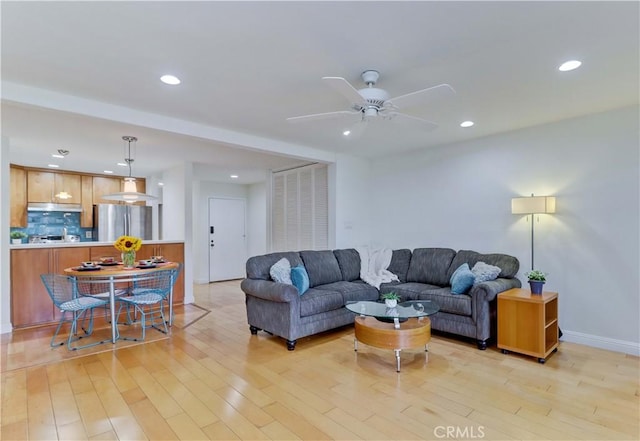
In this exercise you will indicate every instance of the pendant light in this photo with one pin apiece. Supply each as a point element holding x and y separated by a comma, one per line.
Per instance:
<point>130,193</point>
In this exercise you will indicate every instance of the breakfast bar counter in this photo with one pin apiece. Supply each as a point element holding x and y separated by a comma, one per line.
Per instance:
<point>30,303</point>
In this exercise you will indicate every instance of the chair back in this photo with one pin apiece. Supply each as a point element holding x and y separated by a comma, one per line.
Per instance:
<point>175,273</point>
<point>158,282</point>
<point>61,288</point>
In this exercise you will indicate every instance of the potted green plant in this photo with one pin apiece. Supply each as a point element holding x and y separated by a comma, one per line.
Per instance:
<point>391,299</point>
<point>536,281</point>
<point>17,236</point>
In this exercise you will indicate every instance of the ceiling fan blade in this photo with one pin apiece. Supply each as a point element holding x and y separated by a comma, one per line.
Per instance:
<point>415,98</point>
<point>317,116</point>
<point>345,88</point>
<point>426,124</point>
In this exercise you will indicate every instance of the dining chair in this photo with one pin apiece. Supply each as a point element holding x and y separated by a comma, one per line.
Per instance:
<point>63,291</point>
<point>91,289</point>
<point>147,296</point>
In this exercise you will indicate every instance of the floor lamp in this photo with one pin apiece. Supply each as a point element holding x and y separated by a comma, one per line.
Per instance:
<point>533,205</point>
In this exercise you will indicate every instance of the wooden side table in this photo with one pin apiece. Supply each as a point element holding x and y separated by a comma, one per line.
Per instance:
<point>528,323</point>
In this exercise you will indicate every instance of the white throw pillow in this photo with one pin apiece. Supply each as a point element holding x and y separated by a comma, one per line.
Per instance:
<point>281,271</point>
<point>485,272</point>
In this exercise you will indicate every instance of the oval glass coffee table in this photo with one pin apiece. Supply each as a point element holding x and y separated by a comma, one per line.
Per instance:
<point>403,327</point>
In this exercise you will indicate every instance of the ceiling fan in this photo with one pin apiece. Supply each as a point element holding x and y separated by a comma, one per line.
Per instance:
<point>371,102</point>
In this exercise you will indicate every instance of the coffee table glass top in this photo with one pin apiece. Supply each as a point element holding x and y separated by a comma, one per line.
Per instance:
<point>404,310</point>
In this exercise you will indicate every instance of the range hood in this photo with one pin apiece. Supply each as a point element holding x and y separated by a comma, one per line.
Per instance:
<point>44,206</point>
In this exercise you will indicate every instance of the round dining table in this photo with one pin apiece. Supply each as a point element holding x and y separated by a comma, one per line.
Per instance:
<point>112,274</point>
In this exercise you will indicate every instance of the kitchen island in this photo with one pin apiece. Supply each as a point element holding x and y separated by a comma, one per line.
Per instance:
<point>30,303</point>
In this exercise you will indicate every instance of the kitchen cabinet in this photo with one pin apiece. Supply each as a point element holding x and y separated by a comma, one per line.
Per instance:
<point>30,303</point>
<point>104,185</point>
<point>18,185</point>
<point>43,186</point>
<point>86,217</point>
<point>172,252</point>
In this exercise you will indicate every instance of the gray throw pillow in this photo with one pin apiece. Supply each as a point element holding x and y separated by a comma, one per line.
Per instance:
<point>484,272</point>
<point>281,271</point>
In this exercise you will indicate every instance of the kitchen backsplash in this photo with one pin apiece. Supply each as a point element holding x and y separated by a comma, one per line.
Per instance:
<point>52,223</point>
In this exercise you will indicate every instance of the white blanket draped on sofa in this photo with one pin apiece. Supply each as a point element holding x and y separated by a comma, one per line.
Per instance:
<point>374,264</point>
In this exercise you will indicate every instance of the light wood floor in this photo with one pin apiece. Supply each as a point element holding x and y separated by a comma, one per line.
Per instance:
<point>213,380</point>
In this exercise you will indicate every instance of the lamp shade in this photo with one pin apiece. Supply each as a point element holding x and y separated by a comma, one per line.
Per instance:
<point>533,204</point>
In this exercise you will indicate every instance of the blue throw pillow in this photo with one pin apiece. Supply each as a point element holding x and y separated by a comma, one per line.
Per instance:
<point>300,278</point>
<point>462,279</point>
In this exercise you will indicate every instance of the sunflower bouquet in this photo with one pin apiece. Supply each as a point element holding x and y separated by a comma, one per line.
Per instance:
<point>128,245</point>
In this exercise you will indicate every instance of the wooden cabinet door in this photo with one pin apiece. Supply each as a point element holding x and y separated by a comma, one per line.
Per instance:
<point>30,302</point>
<point>71,185</point>
<point>40,186</point>
<point>86,217</point>
<point>174,252</point>
<point>146,251</point>
<point>18,178</point>
<point>103,185</point>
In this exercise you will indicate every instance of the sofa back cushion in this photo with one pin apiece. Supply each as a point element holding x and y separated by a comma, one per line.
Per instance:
<point>431,265</point>
<point>258,266</point>
<point>508,265</point>
<point>349,262</point>
<point>399,265</point>
<point>322,267</point>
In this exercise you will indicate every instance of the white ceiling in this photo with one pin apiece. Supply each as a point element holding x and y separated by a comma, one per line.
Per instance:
<point>246,66</point>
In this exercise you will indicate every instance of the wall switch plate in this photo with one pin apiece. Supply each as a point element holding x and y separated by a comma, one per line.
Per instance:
<point>88,234</point>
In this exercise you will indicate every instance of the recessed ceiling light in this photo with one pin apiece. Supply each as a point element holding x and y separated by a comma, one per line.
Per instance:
<point>108,171</point>
<point>346,132</point>
<point>122,164</point>
<point>170,79</point>
<point>569,65</point>
<point>234,176</point>
<point>53,165</point>
<point>160,184</point>
<point>467,124</point>
<point>55,155</point>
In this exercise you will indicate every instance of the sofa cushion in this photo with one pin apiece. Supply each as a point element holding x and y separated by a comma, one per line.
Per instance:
<point>258,266</point>
<point>462,279</point>
<point>431,265</point>
<point>409,290</point>
<point>352,291</point>
<point>399,265</point>
<point>281,271</point>
<point>300,279</point>
<point>316,301</point>
<point>349,262</point>
<point>448,302</point>
<point>508,265</point>
<point>322,267</point>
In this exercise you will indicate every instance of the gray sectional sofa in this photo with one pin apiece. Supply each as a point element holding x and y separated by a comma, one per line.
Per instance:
<point>334,280</point>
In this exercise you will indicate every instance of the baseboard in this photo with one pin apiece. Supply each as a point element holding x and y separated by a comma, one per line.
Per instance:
<point>200,281</point>
<point>611,344</point>
<point>5,328</point>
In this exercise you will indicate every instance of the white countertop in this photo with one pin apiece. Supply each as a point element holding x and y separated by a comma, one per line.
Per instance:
<point>83,244</point>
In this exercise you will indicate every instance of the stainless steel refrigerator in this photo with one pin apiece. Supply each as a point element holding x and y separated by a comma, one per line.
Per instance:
<point>111,221</point>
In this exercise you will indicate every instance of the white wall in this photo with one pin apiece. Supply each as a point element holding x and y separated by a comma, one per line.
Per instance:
<point>203,191</point>
<point>459,195</point>
<point>5,267</point>
<point>353,201</point>
<point>257,219</point>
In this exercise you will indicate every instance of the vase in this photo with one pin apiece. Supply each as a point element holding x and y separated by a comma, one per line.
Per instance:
<point>391,303</point>
<point>536,286</point>
<point>16,241</point>
<point>129,259</point>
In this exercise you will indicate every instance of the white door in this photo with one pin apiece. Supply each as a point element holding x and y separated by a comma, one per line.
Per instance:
<point>227,242</point>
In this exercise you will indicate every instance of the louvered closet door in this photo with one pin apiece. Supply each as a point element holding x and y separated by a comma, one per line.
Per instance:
<point>299,209</point>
